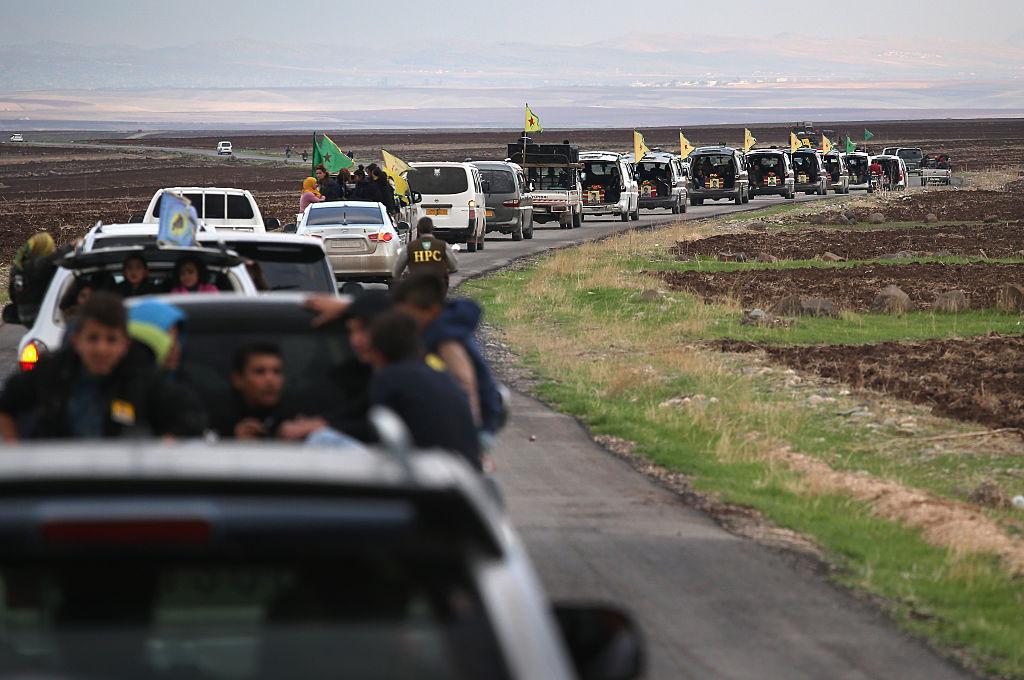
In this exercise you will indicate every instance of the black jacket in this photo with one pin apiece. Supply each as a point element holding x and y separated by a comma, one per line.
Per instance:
<point>139,400</point>
<point>330,189</point>
<point>367,191</point>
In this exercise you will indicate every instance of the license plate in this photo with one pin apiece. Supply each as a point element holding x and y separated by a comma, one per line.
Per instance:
<point>489,213</point>
<point>540,208</point>
<point>437,211</point>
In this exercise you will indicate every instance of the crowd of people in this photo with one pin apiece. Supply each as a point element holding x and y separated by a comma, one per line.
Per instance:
<point>119,372</point>
<point>368,183</point>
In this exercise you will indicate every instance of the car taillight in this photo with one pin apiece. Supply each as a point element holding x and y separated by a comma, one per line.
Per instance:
<point>513,203</point>
<point>30,355</point>
<point>384,236</point>
<point>176,531</point>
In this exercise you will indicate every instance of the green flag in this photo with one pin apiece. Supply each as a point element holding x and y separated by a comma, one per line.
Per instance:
<point>868,134</point>
<point>327,152</point>
<point>850,146</point>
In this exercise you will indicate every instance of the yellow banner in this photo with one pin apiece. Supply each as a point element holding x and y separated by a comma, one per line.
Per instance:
<point>639,147</point>
<point>532,123</point>
<point>749,140</point>
<point>826,144</point>
<point>394,167</point>
<point>685,148</point>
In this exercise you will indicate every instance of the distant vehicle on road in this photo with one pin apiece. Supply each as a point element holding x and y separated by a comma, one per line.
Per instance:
<point>17,137</point>
<point>662,182</point>
<point>509,201</point>
<point>912,156</point>
<point>609,187</point>
<point>454,197</point>
<point>718,172</point>
<point>936,169</point>
<point>770,172</point>
<point>224,149</point>
<point>361,242</point>
<point>895,170</point>
<point>839,175</point>
<point>554,172</point>
<point>275,561</point>
<point>221,208</point>
<point>858,165</point>
<point>811,176</point>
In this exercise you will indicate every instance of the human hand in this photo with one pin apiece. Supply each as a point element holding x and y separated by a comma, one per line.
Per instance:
<point>327,308</point>
<point>249,428</point>
<point>300,427</point>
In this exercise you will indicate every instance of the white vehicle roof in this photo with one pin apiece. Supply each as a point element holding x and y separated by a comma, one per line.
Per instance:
<point>444,164</point>
<point>226,190</point>
<point>603,155</point>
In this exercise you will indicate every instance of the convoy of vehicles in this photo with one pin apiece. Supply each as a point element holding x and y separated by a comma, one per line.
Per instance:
<point>810,174</point>
<point>453,197</point>
<point>718,172</point>
<point>220,208</point>
<point>361,242</point>
<point>771,173</point>
<point>509,200</point>
<point>662,182</point>
<point>609,185</point>
<point>553,170</point>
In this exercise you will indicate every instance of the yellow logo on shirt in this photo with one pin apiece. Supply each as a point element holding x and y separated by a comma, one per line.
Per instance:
<point>435,362</point>
<point>122,412</point>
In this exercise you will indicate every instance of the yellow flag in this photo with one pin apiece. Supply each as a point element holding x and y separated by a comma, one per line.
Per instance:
<point>749,140</point>
<point>794,143</point>
<point>394,167</point>
<point>532,123</point>
<point>639,148</point>
<point>806,142</point>
<point>685,148</point>
<point>826,144</point>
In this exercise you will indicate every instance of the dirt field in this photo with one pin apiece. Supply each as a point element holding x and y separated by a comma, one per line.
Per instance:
<point>974,144</point>
<point>975,379</point>
<point>997,240</point>
<point>948,206</point>
<point>850,288</point>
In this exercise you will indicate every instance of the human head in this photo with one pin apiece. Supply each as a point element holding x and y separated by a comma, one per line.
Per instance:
<point>157,325</point>
<point>309,184</point>
<point>76,295</point>
<point>421,296</point>
<point>101,338</point>
<point>358,317</point>
<point>425,225</point>
<point>344,175</point>
<point>320,172</point>
<point>257,373</point>
<point>393,339</point>
<point>189,272</point>
<point>359,174</point>
<point>135,269</point>
<point>38,245</point>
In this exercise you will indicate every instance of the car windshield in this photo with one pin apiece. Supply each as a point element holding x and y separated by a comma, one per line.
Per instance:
<point>370,215</point>
<point>501,181</point>
<point>649,170</point>
<point>440,180</point>
<point>910,154</point>
<point>289,266</point>
<point>766,161</point>
<point>372,614</point>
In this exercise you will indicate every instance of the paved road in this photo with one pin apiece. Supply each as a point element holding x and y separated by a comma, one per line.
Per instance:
<point>711,605</point>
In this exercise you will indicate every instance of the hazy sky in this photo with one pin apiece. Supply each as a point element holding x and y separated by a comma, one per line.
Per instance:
<point>370,24</point>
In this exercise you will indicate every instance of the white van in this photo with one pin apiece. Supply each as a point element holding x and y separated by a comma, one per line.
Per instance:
<point>220,208</point>
<point>609,185</point>
<point>452,195</point>
<point>224,149</point>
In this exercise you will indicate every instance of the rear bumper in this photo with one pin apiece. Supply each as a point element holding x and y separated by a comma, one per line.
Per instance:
<point>666,202</point>
<point>807,187</point>
<point>714,194</point>
<point>376,265</point>
<point>453,234</point>
<point>605,209</point>
<point>777,190</point>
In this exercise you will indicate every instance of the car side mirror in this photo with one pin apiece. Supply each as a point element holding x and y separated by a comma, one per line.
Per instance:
<point>403,227</point>
<point>289,228</point>
<point>417,197</point>
<point>532,189</point>
<point>272,224</point>
<point>603,643</point>
<point>10,314</point>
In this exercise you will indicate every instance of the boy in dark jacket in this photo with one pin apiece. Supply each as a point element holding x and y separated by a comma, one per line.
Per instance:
<point>100,386</point>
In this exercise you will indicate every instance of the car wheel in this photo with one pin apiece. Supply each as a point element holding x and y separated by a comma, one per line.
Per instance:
<point>636,213</point>
<point>739,198</point>
<point>480,243</point>
<point>528,234</point>
<point>577,220</point>
<point>675,208</point>
<point>517,231</point>
<point>696,201</point>
<point>470,246</point>
<point>682,205</point>
<point>625,216</point>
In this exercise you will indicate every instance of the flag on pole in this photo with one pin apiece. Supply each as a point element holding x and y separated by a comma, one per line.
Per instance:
<point>806,142</point>
<point>639,147</point>
<point>178,220</point>
<point>685,148</point>
<point>826,145</point>
<point>850,146</point>
<point>330,154</point>
<point>794,143</point>
<point>394,167</point>
<point>749,140</point>
<point>868,135</point>
<point>532,123</point>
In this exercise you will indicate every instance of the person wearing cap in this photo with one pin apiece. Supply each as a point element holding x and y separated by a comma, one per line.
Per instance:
<point>427,254</point>
<point>157,325</point>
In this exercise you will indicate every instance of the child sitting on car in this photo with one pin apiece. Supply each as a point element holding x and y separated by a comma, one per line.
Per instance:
<point>191,276</point>
<point>136,277</point>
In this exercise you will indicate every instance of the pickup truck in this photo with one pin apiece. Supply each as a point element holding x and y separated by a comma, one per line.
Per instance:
<point>554,171</point>
<point>222,208</point>
<point>936,169</point>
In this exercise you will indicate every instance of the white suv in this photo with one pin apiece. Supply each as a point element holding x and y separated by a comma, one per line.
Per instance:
<point>453,197</point>
<point>220,208</point>
<point>224,149</point>
<point>609,185</point>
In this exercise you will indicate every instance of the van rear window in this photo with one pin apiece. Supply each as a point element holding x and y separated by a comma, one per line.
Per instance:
<point>438,180</point>
<point>502,182</point>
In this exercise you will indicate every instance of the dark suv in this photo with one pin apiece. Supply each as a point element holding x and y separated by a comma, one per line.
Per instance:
<point>810,172</point>
<point>718,172</point>
<point>509,203</point>
<point>912,156</point>
<point>263,562</point>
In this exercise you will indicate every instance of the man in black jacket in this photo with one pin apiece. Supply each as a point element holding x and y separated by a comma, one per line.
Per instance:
<point>100,386</point>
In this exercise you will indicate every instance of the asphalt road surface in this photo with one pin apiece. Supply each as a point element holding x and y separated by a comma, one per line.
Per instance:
<point>710,604</point>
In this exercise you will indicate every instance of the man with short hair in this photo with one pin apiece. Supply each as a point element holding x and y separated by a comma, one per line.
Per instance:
<point>424,396</point>
<point>99,386</point>
<point>427,254</point>
<point>259,412</point>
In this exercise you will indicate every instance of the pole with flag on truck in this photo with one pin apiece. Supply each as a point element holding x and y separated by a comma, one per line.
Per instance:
<point>749,140</point>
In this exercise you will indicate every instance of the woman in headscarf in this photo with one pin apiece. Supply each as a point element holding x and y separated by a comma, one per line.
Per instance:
<point>33,267</point>
<point>310,194</point>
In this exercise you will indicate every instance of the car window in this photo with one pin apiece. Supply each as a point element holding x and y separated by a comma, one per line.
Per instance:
<point>910,154</point>
<point>195,199</point>
<point>287,266</point>
<point>375,614</point>
<point>441,180</point>
<point>346,214</point>
<point>239,207</point>
<point>214,206</point>
<point>501,181</point>
<point>552,178</point>
<point>651,170</point>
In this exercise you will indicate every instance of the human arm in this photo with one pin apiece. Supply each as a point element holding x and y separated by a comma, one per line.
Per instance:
<point>460,366</point>
<point>402,262</point>
<point>327,307</point>
<point>449,255</point>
